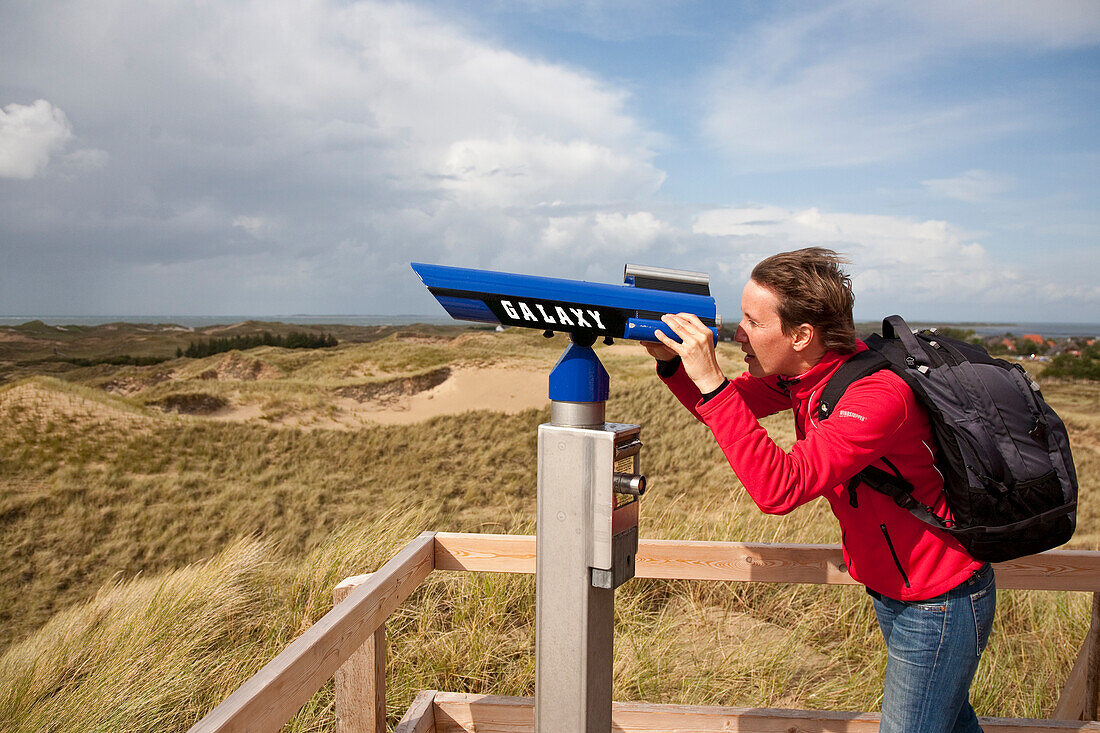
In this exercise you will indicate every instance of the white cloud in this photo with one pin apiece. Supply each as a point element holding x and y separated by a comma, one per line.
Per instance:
<point>601,234</point>
<point>1080,295</point>
<point>509,171</point>
<point>258,227</point>
<point>606,20</point>
<point>974,186</point>
<point>1047,24</point>
<point>29,135</point>
<point>849,83</point>
<point>354,135</point>
<point>435,106</point>
<point>82,160</point>
<point>924,259</point>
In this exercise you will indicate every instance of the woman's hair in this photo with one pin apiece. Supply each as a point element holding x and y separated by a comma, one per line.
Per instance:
<point>813,289</point>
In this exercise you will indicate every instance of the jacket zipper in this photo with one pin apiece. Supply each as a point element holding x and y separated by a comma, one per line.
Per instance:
<point>893,552</point>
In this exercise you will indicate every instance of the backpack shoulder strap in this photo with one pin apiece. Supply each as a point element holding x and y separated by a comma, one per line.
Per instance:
<point>859,366</point>
<point>896,487</point>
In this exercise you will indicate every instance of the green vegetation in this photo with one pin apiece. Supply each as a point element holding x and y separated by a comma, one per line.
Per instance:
<point>37,348</point>
<point>124,360</point>
<point>960,334</point>
<point>151,562</point>
<point>1072,366</point>
<point>293,340</point>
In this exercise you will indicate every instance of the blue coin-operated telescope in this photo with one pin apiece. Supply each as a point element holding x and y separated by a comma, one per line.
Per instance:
<point>589,475</point>
<point>629,311</point>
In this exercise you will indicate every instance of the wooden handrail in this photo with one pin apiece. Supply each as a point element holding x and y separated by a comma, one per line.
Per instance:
<point>1069,570</point>
<point>271,697</point>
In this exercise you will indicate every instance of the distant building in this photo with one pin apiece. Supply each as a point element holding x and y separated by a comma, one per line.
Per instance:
<point>1034,338</point>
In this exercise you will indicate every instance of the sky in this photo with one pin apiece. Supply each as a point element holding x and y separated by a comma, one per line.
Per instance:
<point>262,157</point>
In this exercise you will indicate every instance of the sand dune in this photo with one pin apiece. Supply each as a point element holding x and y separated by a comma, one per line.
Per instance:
<point>501,389</point>
<point>42,400</point>
<point>506,389</point>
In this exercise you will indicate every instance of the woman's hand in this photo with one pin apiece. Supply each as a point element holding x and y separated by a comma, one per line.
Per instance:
<point>658,352</point>
<point>696,350</point>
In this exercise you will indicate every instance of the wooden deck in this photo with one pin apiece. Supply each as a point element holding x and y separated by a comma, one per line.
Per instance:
<point>450,712</point>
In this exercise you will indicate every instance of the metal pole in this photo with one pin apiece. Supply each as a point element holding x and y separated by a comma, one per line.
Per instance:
<point>574,619</point>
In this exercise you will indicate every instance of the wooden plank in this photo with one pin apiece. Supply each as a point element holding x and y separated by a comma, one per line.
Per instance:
<point>463,713</point>
<point>270,697</point>
<point>361,680</point>
<point>1074,570</point>
<point>459,712</point>
<point>1077,570</point>
<point>743,561</point>
<point>498,553</point>
<point>684,559</point>
<point>1071,703</point>
<point>420,717</point>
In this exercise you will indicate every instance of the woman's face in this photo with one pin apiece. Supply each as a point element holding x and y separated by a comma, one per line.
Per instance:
<point>767,349</point>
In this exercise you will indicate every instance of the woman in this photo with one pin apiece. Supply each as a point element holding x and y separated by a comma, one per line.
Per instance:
<point>933,601</point>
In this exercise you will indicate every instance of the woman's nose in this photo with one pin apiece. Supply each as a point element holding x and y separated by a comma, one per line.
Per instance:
<point>740,336</point>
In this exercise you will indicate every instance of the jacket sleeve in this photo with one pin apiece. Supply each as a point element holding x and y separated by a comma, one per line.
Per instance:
<point>762,398</point>
<point>862,428</point>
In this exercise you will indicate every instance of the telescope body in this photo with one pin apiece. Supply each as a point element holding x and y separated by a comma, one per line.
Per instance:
<point>632,310</point>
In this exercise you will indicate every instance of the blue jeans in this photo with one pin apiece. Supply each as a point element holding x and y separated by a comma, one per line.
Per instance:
<point>934,647</point>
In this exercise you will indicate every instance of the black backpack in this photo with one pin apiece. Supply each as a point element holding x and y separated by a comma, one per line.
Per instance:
<point>1003,452</point>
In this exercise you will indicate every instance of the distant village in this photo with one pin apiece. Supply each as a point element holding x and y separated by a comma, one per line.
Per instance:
<point>1034,346</point>
<point>1075,358</point>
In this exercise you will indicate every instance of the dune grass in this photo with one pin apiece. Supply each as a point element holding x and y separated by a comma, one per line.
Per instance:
<point>152,562</point>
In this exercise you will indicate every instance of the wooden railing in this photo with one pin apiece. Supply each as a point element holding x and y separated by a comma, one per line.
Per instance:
<point>349,641</point>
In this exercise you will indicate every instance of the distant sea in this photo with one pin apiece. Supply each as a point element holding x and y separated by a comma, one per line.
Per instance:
<point>1050,330</point>
<point>1054,330</point>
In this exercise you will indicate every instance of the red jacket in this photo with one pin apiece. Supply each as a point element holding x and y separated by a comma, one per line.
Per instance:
<point>885,547</point>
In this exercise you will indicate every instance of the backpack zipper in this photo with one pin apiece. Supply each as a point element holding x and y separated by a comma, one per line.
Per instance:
<point>893,552</point>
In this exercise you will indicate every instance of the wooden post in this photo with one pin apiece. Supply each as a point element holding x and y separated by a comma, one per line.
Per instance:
<point>269,698</point>
<point>1079,695</point>
<point>420,717</point>
<point>361,681</point>
<point>1092,679</point>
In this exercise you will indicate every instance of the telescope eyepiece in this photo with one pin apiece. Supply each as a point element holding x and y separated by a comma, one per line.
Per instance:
<point>663,278</point>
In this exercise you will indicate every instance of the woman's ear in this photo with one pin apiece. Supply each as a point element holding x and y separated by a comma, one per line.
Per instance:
<point>802,337</point>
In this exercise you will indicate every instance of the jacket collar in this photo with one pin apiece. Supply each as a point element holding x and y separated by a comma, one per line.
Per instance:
<point>805,384</point>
